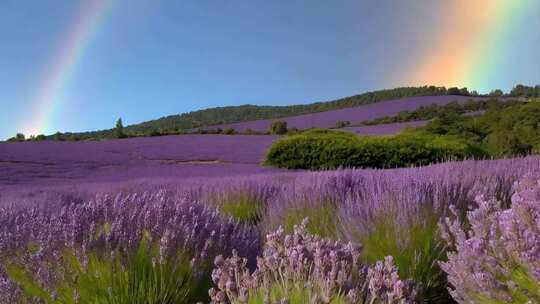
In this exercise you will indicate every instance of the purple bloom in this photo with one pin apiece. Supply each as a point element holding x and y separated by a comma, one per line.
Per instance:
<point>498,259</point>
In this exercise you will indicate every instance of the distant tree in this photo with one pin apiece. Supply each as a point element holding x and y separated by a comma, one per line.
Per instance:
<point>41,137</point>
<point>119,129</point>
<point>458,91</point>
<point>278,127</point>
<point>525,91</point>
<point>59,136</point>
<point>453,91</point>
<point>496,93</point>
<point>18,137</point>
<point>464,92</point>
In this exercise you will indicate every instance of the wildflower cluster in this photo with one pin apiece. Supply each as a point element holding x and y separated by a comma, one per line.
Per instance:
<point>304,268</point>
<point>498,259</point>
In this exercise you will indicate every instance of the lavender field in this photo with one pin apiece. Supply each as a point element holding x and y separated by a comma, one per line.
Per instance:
<point>186,156</point>
<point>399,234</point>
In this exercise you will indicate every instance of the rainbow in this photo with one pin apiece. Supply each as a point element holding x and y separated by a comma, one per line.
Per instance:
<point>71,51</point>
<point>468,44</point>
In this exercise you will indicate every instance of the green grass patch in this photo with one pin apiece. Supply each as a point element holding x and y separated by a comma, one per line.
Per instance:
<point>322,219</point>
<point>243,206</point>
<point>416,248</point>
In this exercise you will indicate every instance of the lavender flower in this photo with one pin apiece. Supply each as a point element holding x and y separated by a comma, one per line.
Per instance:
<point>498,259</point>
<point>110,224</point>
<point>305,268</point>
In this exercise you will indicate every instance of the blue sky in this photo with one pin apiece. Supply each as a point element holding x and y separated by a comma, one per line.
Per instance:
<point>152,58</point>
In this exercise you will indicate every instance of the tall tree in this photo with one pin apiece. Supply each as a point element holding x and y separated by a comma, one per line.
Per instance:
<point>119,129</point>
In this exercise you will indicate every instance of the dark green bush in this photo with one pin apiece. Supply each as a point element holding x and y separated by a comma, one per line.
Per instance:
<point>278,127</point>
<point>324,149</point>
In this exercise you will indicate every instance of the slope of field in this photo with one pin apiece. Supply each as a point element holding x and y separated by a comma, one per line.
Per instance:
<point>52,162</point>
<point>357,114</point>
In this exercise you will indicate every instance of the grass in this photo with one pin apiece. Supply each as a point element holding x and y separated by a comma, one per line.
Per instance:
<point>322,218</point>
<point>243,206</point>
<point>416,248</point>
<point>138,279</point>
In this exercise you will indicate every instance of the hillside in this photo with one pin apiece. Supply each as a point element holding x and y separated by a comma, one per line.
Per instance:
<point>354,115</point>
<point>246,113</point>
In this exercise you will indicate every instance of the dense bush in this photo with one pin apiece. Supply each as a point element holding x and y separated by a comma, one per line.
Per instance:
<point>278,127</point>
<point>319,149</point>
<point>525,91</point>
<point>504,130</point>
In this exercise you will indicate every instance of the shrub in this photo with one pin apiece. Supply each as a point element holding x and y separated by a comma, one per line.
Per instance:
<point>304,268</point>
<point>17,137</point>
<point>278,127</point>
<point>320,149</point>
<point>41,137</point>
<point>498,259</point>
<point>229,131</point>
<point>342,124</point>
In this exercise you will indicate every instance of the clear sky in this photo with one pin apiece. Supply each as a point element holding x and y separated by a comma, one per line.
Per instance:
<point>79,65</point>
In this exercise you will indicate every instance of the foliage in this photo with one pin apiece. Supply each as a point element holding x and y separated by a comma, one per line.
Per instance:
<point>18,137</point>
<point>323,219</point>
<point>304,268</point>
<point>458,91</point>
<point>320,149</point>
<point>278,127</point>
<point>498,259</point>
<point>119,129</point>
<point>504,130</point>
<point>496,93</point>
<point>416,248</point>
<point>244,206</point>
<point>525,91</point>
<point>435,111</point>
<point>143,277</point>
<point>229,131</point>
